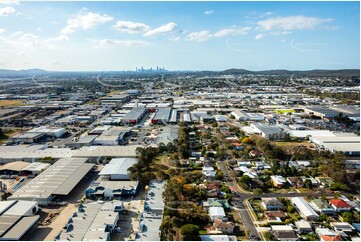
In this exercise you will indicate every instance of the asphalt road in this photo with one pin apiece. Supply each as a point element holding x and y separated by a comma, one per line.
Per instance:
<point>239,199</point>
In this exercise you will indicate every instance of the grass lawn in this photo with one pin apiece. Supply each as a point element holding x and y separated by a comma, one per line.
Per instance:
<point>8,103</point>
<point>288,144</point>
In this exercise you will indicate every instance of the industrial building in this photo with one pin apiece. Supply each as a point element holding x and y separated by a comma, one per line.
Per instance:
<point>17,219</point>
<point>105,188</point>
<point>271,132</point>
<point>151,218</point>
<point>168,134</point>
<point>322,112</point>
<point>244,116</point>
<point>32,153</point>
<point>162,116</point>
<point>134,116</point>
<point>49,131</point>
<point>347,143</point>
<point>92,222</point>
<point>27,138</point>
<point>58,180</point>
<point>96,153</point>
<point>22,168</point>
<point>117,168</point>
<point>112,136</point>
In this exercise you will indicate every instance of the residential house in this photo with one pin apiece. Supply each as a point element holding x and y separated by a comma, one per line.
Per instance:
<point>278,181</point>
<point>275,216</point>
<point>284,233</point>
<point>295,182</point>
<point>322,206</point>
<point>326,234</point>
<point>303,226</point>
<point>220,226</point>
<point>217,212</point>
<point>271,204</point>
<point>340,205</point>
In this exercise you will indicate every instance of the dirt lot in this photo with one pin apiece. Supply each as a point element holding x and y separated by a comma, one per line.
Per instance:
<point>49,232</point>
<point>7,103</point>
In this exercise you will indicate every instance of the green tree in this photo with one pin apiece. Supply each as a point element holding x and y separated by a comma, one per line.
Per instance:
<point>290,209</point>
<point>190,232</point>
<point>348,217</point>
<point>308,183</point>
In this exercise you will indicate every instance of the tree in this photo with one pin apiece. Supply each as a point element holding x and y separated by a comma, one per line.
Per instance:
<point>5,196</point>
<point>190,232</point>
<point>245,179</point>
<point>290,209</point>
<point>308,183</point>
<point>347,217</point>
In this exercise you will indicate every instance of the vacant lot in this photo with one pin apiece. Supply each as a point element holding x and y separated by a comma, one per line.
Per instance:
<point>291,144</point>
<point>7,103</point>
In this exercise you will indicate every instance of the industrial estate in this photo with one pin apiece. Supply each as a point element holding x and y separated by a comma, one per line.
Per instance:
<point>160,155</point>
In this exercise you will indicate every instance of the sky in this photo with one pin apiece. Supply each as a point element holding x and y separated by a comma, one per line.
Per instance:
<point>105,36</point>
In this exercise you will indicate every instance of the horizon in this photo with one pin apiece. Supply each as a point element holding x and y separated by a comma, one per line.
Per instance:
<point>166,70</point>
<point>189,36</point>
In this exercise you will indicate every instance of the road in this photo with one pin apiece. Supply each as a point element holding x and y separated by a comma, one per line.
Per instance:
<point>240,199</point>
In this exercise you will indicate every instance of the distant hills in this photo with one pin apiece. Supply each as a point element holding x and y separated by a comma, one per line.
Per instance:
<point>310,73</point>
<point>5,72</point>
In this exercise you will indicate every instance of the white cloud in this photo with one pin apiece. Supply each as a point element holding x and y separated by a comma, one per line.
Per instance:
<point>175,39</point>
<point>32,40</point>
<point>2,31</point>
<point>127,43</point>
<point>6,11</point>
<point>85,21</point>
<point>292,22</point>
<point>209,12</point>
<point>232,31</point>
<point>131,27</point>
<point>58,38</point>
<point>9,2</point>
<point>166,28</point>
<point>259,36</point>
<point>199,36</point>
<point>17,33</point>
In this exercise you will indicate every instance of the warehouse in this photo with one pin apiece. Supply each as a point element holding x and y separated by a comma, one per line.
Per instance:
<point>322,112</point>
<point>96,153</point>
<point>27,137</point>
<point>271,132</point>
<point>32,153</point>
<point>107,189</point>
<point>151,218</point>
<point>305,210</point>
<point>174,117</point>
<point>347,143</point>
<point>244,116</point>
<point>92,222</point>
<point>58,179</point>
<point>168,134</point>
<point>112,136</point>
<point>49,131</point>
<point>134,116</point>
<point>162,116</point>
<point>22,168</point>
<point>17,219</point>
<point>117,168</point>
<point>115,99</point>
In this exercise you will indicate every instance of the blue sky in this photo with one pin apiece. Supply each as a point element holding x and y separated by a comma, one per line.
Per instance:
<point>179,35</point>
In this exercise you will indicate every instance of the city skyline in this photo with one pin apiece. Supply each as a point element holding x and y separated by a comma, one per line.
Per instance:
<point>94,36</point>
